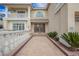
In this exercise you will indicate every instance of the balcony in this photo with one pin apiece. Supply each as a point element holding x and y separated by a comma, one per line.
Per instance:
<point>17,17</point>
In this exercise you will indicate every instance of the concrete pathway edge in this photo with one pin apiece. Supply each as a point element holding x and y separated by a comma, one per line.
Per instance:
<point>53,41</point>
<point>64,50</point>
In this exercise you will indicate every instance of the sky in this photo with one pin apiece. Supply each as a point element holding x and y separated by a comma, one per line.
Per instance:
<point>39,5</point>
<point>2,8</point>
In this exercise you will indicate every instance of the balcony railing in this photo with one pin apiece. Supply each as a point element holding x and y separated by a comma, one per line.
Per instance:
<point>9,40</point>
<point>17,15</point>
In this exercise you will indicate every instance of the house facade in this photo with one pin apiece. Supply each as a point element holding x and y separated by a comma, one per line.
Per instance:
<point>58,17</point>
<point>24,17</point>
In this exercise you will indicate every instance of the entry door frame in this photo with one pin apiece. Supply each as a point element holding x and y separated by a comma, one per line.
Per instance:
<point>39,27</point>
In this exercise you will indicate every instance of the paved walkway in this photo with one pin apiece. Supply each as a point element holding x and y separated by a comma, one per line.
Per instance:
<point>39,46</point>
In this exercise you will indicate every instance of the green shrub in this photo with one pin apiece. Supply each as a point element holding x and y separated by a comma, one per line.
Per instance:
<point>72,38</point>
<point>52,34</point>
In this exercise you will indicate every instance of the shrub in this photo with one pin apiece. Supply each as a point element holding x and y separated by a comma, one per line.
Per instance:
<point>72,38</point>
<point>52,34</point>
<point>56,38</point>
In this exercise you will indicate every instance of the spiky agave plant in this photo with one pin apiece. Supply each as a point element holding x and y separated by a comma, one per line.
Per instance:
<point>72,38</point>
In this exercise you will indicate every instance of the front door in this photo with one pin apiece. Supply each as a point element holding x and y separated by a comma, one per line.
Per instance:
<point>39,27</point>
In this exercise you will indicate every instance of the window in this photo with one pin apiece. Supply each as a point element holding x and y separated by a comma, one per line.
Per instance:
<point>18,26</point>
<point>21,11</point>
<point>1,26</point>
<point>2,15</point>
<point>39,14</point>
<point>1,19</point>
<point>21,14</point>
<point>77,18</point>
<point>12,11</point>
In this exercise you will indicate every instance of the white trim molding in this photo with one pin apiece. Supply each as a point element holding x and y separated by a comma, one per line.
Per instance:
<point>58,7</point>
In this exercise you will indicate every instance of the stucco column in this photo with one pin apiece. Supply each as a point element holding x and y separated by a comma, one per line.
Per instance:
<point>5,25</point>
<point>29,12</point>
<point>29,23</point>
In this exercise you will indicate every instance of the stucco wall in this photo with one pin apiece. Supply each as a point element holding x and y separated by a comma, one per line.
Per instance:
<point>63,19</point>
<point>58,22</point>
<point>51,26</point>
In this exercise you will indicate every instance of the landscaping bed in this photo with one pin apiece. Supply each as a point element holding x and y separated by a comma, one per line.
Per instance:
<point>68,50</point>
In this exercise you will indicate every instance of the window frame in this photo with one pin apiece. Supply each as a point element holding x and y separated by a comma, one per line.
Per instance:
<point>18,26</point>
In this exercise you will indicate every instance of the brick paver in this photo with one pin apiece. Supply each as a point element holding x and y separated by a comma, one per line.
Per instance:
<point>40,46</point>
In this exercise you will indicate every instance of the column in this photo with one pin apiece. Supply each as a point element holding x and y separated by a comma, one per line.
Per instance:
<point>5,25</point>
<point>29,11</point>
<point>29,20</point>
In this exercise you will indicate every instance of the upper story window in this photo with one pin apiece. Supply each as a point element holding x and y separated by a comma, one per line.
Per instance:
<point>39,14</point>
<point>21,11</point>
<point>17,13</point>
<point>2,16</point>
<point>12,11</point>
